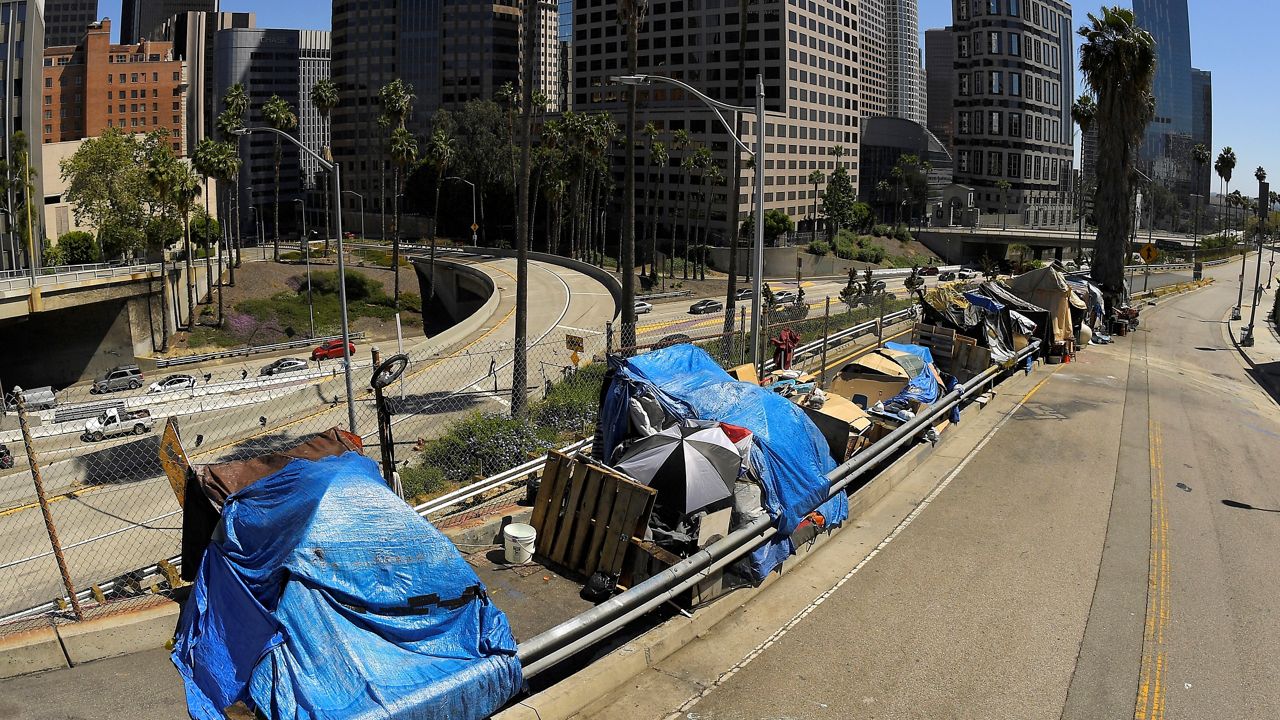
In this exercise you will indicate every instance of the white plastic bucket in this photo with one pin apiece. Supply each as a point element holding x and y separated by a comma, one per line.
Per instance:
<point>517,542</point>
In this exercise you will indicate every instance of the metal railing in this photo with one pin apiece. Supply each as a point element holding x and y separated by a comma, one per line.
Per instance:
<point>255,350</point>
<point>72,274</point>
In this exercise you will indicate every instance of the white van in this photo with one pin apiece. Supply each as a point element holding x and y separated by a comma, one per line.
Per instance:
<point>41,398</point>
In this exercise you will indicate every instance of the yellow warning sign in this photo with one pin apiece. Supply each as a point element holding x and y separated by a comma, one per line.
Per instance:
<point>174,460</point>
<point>575,358</point>
<point>1149,253</point>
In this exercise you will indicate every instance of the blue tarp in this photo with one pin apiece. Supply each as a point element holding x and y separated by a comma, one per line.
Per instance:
<point>790,453</point>
<point>922,388</point>
<point>323,595</point>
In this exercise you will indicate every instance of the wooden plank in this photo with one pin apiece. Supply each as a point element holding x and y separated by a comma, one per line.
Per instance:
<point>634,526</point>
<point>586,522</point>
<point>550,521</point>
<point>614,534</point>
<point>572,514</point>
<point>604,507</point>
<point>542,500</point>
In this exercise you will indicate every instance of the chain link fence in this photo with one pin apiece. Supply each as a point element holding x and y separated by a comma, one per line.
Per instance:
<point>118,523</point>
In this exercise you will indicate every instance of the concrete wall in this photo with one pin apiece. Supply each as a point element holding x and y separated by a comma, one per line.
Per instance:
<point>780,262</point>
<point>606,278</point>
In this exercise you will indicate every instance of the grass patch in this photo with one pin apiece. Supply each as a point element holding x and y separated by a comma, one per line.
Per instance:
<point>376,256</point>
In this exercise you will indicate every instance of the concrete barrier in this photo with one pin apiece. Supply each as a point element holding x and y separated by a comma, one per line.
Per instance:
<point>604,277</point>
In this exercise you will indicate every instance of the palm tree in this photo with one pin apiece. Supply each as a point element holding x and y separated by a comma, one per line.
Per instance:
<point>816,178</point>
<point>711,177</point>
<point>631,15</point>
<point>702,163</point>
<point>228,123</point>
<point>203,161</point>
<point>324,96</point>
<point>837,152</point>
<point>650,131</point>
<point>1003,186</point>
<point>279,115</point>
<point>680,143</point>
<point>226,168</point>
<point>161,176</point>
<point>1118,60</point>
<point>1224,165</point>
<point>659,158</point>
<point>404,152</point>
<point>1200,155</point>
<point>185,189</point>
<point>440,154</point>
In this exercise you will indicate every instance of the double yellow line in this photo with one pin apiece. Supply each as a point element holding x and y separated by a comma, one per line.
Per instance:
<point>1152,688</point>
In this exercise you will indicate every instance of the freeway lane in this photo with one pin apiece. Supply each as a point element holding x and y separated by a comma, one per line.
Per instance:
<point>125,488</point>
<point>1079,563</point>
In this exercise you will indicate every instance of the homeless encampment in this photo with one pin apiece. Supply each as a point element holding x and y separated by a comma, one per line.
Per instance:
<point>322,595</point>
<point>990,314</point>
<point>1047,288</point>
<point>789,457</point>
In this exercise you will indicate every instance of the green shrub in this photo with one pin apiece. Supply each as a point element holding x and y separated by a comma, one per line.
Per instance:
<point>359,287</point>
<point>420,480</point>
<point>819,248</point>
<point>869,252</point>
<point>881,231</point>
<point>480,445</point>
<point>77,248</point>
<point>902,233</point>
<point>571,405</point>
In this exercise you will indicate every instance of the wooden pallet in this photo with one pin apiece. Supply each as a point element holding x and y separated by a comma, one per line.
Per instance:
<point>586,515</point>
<point>940,341</point>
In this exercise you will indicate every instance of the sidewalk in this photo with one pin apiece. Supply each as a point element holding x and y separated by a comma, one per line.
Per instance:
<point>1263,357</point>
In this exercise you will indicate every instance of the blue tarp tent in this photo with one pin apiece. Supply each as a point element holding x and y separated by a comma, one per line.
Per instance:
<point>789,451</point>
<point>923,386</point>
<point>322,595</point>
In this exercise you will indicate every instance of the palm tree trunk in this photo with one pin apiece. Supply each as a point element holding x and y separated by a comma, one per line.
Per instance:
<point>191,290</point>
<point>208,247</point>
<point>435,222</point>
<point>395,237</point>
<point>382,199</point>
<point>706,236</point>
<point>275,228</point>
<point>533,209</point>
<point>164,303</point>
<point>684,184</point>
<point>234,261</point>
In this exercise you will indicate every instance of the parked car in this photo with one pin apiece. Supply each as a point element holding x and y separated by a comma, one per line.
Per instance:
<point>120,377</point>
<point>967,274</point>
<point>116,422</point>
<point>643,307</point>
<point>947,276</point>
<point>669,340</point>
<point>330,349</point>
<point>929,270</point>
<point>284,365</point>
<point>173,382</point>
<point>785,296</point>
<point>6,457</point>
<point>41,398</point>
<point>742,294</point>
<point>706,306</point>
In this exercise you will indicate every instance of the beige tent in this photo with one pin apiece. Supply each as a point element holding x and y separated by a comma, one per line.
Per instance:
<point>1047,288</point>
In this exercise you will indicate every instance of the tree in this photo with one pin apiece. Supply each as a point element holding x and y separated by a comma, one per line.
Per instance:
<point>816,178</point>
<point>17,181</point>
<point>404,152</point>
<point>650,132</point>
<point>396,98</point>
<point>1003,186</point>
<point>204,161</point>
<point>838,201</point>
<point>680,142</point>
<point>77,248</point>
<point>1224,165</point>
<point>1118,60</point>
<point>837,152</point>
<point>520,357</point>
<point>440,155</point>
<point>108,184</point>
<point>776,224</point>
<point>631,15</point>
<point>1083,111</point>
<point>658,157</point>
<point>280,115</point>
<point>324,96</point>
<point>1022,251</point>
<point>185,189</point>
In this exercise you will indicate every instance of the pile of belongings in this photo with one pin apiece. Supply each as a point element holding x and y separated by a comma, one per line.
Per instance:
<point>991,314</point>
<point>1047,288</point>
<point>319,594</point>
<point>785,459</point>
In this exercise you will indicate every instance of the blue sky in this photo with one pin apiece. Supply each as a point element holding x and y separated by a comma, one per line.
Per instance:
<point>1228,38</point>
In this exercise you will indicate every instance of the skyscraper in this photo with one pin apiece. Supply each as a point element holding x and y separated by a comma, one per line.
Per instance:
<point>23,36</point>
<point>1165,153</point>
<point>807,56</point>
<point>873,59</point>
<point>1014,84</point>
<point>902,62</point>
<point>140,18</point>
<point>940,59</point>
<point>280,62</point>
<point>191,33</point>
<point>450,52</point>
<point>65,20</point>
<point>1202,125</point>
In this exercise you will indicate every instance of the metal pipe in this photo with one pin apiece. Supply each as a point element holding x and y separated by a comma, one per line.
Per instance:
<point>758,271</point>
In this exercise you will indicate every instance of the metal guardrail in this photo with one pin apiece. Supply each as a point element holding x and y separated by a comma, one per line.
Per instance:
<point>662,295</point>
<point>84,412</point>
<point>255,350</point>
<point>73,274</point>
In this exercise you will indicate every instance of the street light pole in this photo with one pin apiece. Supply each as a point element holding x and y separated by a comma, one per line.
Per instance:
<point>306,249</point>
<point>474,226</point>
<point>719,108</point>
<point>353,192</point>
<point>333,167</point>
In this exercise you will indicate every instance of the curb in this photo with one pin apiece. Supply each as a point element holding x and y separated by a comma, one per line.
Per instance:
<point>1269,384</point>
<point>605,674</point>
<point>111,631</point>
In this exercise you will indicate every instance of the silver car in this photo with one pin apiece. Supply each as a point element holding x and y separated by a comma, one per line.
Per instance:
<point>282,366</point>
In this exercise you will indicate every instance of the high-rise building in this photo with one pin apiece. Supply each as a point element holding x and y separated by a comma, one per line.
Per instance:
<point>873,59</point>
<point>95,85</point>
<point>1202,125</point>
<point>140,19</point>
<point>449,52</point>
<point>809,61</point>
<point>287,63</point>
<point>1014,84</point>
<point>940,59</point>
<point>1165,153</point>
<point>191,33</point>
<point>65,20</point>
<point>904,90</point>
<point>22,32</point>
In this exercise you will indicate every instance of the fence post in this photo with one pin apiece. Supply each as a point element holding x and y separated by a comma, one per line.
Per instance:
<point>608,337</point>
<point>826,337</point>
<point>34,462</point>
<point>880,323</point>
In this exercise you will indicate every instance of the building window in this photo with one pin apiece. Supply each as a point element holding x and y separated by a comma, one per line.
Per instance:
<point>1015,165</point>
<point>962,9</point>
<point>995,123</point>
<point>1015,44</point>
<point>133,77</point>
<point>993,43</point>
<point>963,123</point>
<point>1015,125</point>
<point>962,161</point>
<point>962,46</point>
<point>1015,8</point>
<point>48,129</point>
<point>48,82</point>
<point>977,162</point>
<point>1015,84</point>
<point>993,7</point>
<point>48,99</point>
<point>964,85</point>
<point>977,82</point>
<point>995,160</point>
<point>175,77</point>
<point>997,84</point>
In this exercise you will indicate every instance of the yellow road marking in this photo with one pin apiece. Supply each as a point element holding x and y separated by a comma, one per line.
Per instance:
<point>1152,688</point>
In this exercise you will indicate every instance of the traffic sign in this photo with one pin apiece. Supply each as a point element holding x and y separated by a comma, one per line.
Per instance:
<point>1149,253</point>
<point>575,358</point>
<point>174,461</point>
<point>574,343</point>
<point>474,227</point>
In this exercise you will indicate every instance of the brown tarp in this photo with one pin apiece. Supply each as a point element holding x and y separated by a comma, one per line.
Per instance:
<point>1047,288</point>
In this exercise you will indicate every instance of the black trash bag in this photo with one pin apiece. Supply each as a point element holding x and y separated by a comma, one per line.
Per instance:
<point>600,587</point>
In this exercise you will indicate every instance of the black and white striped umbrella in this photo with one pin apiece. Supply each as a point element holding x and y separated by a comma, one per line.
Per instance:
<point>692,465</point>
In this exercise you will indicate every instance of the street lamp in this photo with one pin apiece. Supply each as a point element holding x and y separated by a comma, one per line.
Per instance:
<point>353,192</point>
<point>333,167</point>
<point>1196,271</point>
<point>306,250</point>
<point>735,111</point>
<point>474,226</point>
<point>257,224</point>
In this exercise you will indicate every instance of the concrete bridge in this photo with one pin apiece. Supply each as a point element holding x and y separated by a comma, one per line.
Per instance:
<point>970,244</point>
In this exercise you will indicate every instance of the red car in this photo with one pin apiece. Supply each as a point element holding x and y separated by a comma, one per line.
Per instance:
<point>331,349</point>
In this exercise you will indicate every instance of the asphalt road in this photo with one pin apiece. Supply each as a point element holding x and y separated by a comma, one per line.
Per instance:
<point>1082,562</point>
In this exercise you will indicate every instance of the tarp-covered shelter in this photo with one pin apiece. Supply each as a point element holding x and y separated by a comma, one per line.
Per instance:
<point>789,456</point>
<point>322,595</point>
<point>1048,289</point>
<point>985,314</point>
